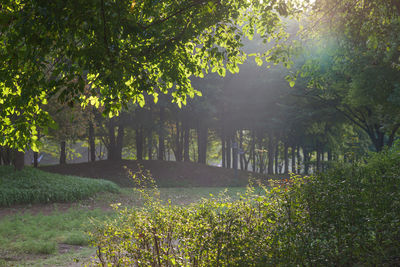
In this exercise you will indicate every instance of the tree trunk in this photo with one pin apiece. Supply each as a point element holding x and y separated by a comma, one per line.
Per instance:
<point>19,160</point>
<point>293,159</point>
<point>150,145</point>
<point>161,141</point>
<point>270,155</point>
<point>318,167</point>
<point>277,157</point>
<point>139,143</point>
<point>119,142</point>
<point>286,156</point>
<point>92,143</point>
<point>63,154</point>
<point>35,159</point>
<point>306,161</point>
<point>202,136</point>
<point>241,155</point>
<point>234,152</point>
<point>178,141</point>
<point>111,151</point>
<point>253,151</point>
<point>322,159</point>
<point>228,152</point>
<point>186,142</point>
<point>298,160</point>
<point>223,150</point>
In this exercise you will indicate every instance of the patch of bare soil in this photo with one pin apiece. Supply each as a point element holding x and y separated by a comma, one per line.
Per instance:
<point>166,173</point>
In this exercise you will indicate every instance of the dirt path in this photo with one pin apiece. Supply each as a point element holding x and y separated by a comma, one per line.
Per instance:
<point>48,209</point>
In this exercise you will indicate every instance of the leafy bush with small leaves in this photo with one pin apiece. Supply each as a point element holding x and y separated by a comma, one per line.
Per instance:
<point>35,186</point>
<point>349,216</point>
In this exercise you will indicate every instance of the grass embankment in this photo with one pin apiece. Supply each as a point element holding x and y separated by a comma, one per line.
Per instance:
<point>31,186</point>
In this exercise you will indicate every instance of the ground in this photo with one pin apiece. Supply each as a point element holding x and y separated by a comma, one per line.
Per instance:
<point>180,182</point>
<point>166,173</point>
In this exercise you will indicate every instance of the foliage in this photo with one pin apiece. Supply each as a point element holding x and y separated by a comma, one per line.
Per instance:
<point>351,54</point>
<point>119,49</point>
<point>34,186</point>
<point>334,219</point>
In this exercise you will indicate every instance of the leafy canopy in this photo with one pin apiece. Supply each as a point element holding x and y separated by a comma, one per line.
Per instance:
<point>109,52</point>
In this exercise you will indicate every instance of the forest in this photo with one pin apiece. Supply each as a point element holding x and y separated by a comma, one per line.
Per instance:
<point>293,106</point>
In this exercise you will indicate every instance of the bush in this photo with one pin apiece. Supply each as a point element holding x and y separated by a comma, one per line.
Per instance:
<point>349,216</point>
<point>35,186</point>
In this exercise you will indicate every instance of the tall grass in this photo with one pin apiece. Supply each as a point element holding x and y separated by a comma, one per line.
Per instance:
<point>35,186</point>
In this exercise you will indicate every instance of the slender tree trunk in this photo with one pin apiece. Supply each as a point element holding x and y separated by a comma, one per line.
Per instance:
<point>293,155</point>
<point>178,146</point>
<point>246,162</point>
<point>253,151</point>
<point>318,167</point>
<point>186,137</point>
<point>223,150</point>
<point>202,137</point>
<point>228,152</point>
<point>7,155</point>
<point>150,145</point>
<point>19,160</point>
<point>392,135</point>
<point>139,143</point>
<point>35,159</point>
<point>329,157</point>
<point>119,142</point>
<point>306,161</point>
<point>161,141</point>
<point>234,152</point>
<point>241,155</point>
<point>63,154</point>
<point>270,155</point>
<point>277,157</point>
<point>92,142</point>
<point>111,151</point>
<point>286,156</point>
<point>322,159</point>
<point>298,160</point>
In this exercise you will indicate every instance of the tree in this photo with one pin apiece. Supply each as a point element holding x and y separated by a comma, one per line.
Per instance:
<point>351,64</point>
<point>120,48</point>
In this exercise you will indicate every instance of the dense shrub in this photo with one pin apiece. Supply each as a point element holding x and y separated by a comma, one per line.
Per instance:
<point>349,216</point>
<point>34,186</point>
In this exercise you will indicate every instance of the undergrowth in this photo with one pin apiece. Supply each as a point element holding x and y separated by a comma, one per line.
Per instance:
<point>349,216</point>
<point>31,186</point>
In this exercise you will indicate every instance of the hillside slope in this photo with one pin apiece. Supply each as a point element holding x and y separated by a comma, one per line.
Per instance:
<point>166,173</point>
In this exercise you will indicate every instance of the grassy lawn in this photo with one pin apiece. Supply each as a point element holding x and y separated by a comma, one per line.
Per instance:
<point>59,238</point>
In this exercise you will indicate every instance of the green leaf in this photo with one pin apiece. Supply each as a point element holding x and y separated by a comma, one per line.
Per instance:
<point>258,60</point>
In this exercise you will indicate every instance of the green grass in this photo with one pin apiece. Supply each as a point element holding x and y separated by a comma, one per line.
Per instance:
<point>178,196</point>
<point>35,186</point>
<point>33,240</point>
<point>41,234</point>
